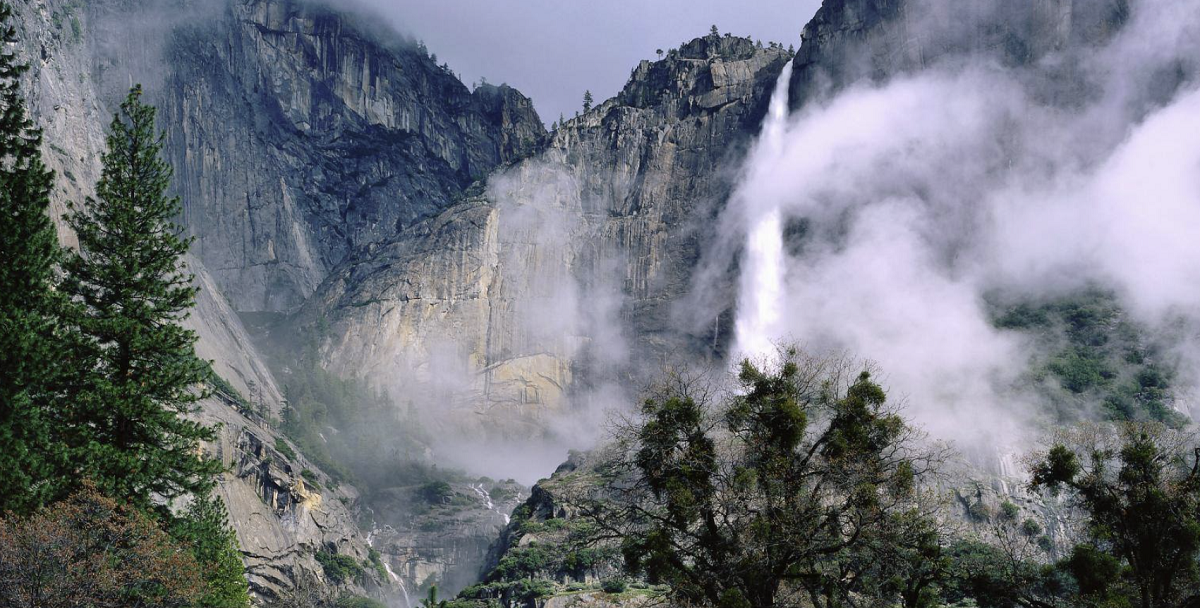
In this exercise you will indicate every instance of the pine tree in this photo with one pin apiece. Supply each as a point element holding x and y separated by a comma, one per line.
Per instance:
<point>139,373</point>
<point>714,31</point>
<point>204,527</point>
<point>587,101</point>
<point>29,253</point>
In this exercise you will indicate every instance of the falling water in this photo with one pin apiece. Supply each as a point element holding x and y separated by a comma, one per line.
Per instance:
<point>386,564</point>
<point>407,602</point>
<point>760,295</point>
<point>487,498</point>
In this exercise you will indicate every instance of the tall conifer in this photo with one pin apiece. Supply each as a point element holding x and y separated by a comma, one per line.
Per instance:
<point>140,376</point>
<point>29,253</point>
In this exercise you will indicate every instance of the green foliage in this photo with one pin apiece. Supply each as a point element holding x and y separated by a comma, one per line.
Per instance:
<point>502,493</point>
<point>1094,570</point>
<point>285,450</point>
<point>1031,527</point>
<point>138,372</point>
<point>311,478</point>
<point>376,562</point>
<point>523,590</point>
<point>523,562</point>
<point>1058,468</point>
<point>1098,357</point>
<point>614,585</point>
<point>1009,511</point>
<point>222,387</point>
<point>990,577</point>
<point>358,601</point>
<point>435,492</point>
<point>340,568</point>
<point>431,599</point>
<point>1081,369</point>
<point>32,461</point>
<point>204,528</point>
<point>818,478</point>
<point>1141,498</point>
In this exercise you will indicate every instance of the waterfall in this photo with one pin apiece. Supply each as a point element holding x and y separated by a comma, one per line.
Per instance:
<point>760,296</point>
<point>387,565</point>
<point>487,498</point>
<point>403,589</point>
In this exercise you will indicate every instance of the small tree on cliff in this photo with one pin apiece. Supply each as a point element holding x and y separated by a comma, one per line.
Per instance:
<point>139,374</point>
<point>791,487</point>
<point>204,528</point>
<point>29,253</point>
<point>587,101</point>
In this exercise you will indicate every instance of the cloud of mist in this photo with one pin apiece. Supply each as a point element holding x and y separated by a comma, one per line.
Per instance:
<point>922,196</point>
<point>512,402</point>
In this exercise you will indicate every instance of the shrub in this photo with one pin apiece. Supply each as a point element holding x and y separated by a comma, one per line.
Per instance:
<point>1031,528</point>
<point>376,561</point>
<point>311,478</point>
<point>358,601</point>
<point>99,554</point>
<point>613,585</point>
<point>1009,511</point>
<point>435,492</point>
<point>339,568</point>
<point>222,386</point>
<point>284,449</point>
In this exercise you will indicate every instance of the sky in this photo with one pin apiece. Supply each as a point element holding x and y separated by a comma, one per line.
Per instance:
<point>554,50</point>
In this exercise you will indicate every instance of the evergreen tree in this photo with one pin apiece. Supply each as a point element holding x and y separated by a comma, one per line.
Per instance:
<point>802,476</point>
<point>587,101</point>
<point>714,31</point>
<point>1139,492</point>
<point>205,528</point>
<point>29,253</point>
<point>139,373</point>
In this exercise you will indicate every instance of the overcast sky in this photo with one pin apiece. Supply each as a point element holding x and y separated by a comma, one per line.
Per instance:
<point>553,50</point>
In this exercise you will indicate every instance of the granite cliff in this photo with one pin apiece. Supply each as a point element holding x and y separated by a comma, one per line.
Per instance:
<point>301,135</point>
<point>547,281</point>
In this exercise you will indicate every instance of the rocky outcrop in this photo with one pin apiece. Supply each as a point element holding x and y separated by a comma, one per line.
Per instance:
<point>299,136</point>
<point>566,264</point>
<point>284,510</point>
<point>849,41</point>
<point>442,539</point>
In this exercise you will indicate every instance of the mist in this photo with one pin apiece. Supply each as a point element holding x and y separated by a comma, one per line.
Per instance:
<point>924,197</point>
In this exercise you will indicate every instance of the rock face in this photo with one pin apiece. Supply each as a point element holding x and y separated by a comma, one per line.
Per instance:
<point>441,540</point>
<point>511,293</point>
<point>285,511</point>
<point>280,521</point>
<point>299,136</point>
<point>871,40</point>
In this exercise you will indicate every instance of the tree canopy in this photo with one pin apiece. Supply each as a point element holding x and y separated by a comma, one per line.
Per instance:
<point>784,489</point>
